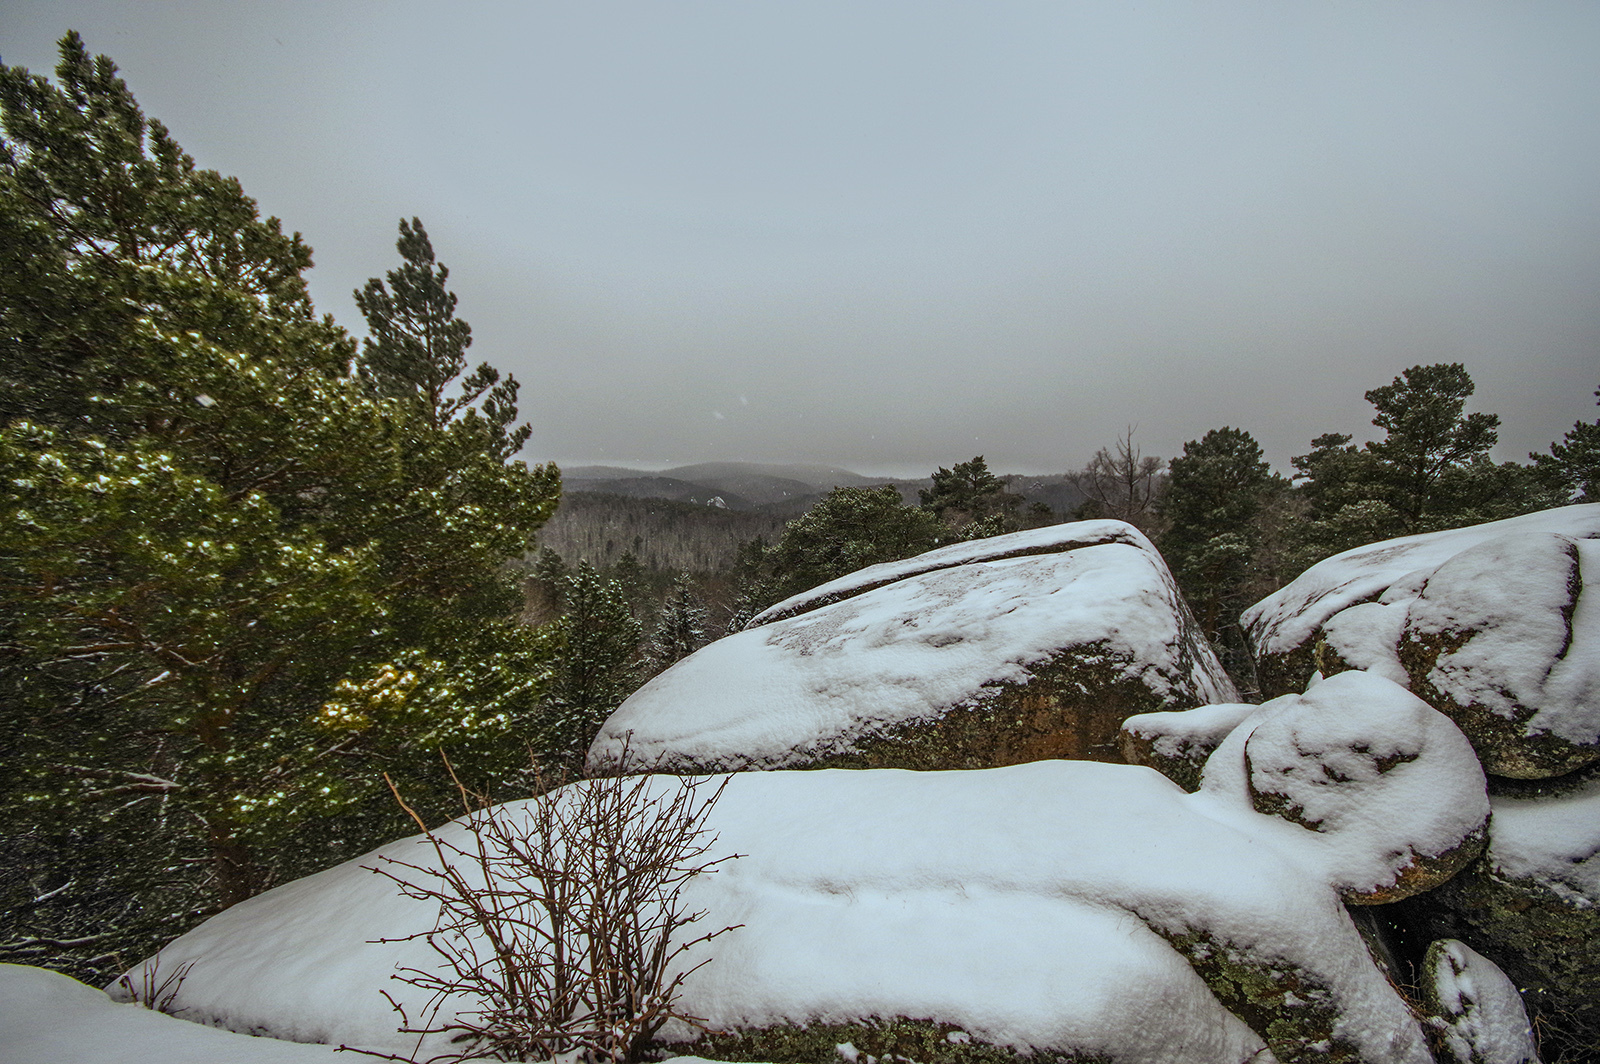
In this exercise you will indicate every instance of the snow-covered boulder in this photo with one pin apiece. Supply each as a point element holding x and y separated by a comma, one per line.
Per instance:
<point>1475,1008</point>
<point>1488,624</point>
<point>1177,743</point>
<point>995,652</point>
<point>1532,901</point>
<point>919,906</point>
<point>1390,788</point>
<point>1369,781</point>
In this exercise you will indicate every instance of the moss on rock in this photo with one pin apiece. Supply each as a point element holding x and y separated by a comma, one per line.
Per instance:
<point>1548,945</point>
<point>1294,1014</point>
<point>894,1040</point>
<point>1504,743</point>
<point>1286,672</point>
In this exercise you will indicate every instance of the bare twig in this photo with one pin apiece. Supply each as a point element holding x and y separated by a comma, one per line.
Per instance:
<point>560,926</point>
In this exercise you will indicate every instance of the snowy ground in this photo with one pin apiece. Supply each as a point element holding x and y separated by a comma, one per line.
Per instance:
<point>47,1018</point>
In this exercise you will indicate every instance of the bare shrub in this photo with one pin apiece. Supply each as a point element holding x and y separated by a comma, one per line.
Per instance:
<point>559,922</point>
<point>153,990</point>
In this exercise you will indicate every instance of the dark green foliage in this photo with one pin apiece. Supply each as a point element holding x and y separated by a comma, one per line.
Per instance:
<point>1211,509</point>
<point>236,583</point>
<point>1428,436</point>
<point>848,529</point>
<point>1431,470</point>
<point>682,627</point>
<point>598,643</point>
<point>971,498</point>
<point>112,237</point>
<point>1573,465</point>
<point>417,347</point>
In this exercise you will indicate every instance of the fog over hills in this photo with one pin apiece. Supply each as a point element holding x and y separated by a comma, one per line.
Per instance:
<point>783,489</point>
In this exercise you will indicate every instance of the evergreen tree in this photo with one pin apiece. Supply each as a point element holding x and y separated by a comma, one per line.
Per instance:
<point>1573,465</point>
<point>595,665</point>
<point>1211,507</point>
<point>235,584</point>
<point>847,529</point>
<point>683,627</point>
<point>417,347</point>
<point>1427,437</point>
<point>1430,471</point>
<point>969,496</point>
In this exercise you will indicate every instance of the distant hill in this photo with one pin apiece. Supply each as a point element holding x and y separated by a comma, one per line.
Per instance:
<point>789,489</point>
<point>694,517</point>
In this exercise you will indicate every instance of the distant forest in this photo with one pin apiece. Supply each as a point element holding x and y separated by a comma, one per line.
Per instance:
<point>661,534</point>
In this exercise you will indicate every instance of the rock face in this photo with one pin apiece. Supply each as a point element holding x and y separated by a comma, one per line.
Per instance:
<point>1001,651</point>
<point>1532,901</point>
<point>1489,625</point>
<point>917,913</point>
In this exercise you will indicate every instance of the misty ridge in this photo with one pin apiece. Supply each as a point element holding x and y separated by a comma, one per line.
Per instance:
<point>608,511</point>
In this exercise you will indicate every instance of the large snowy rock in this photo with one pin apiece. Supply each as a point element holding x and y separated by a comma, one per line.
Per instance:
<point>996,652</point>
<point>1489,624</point>
<point>923,905</point>
<point>1532,901</point>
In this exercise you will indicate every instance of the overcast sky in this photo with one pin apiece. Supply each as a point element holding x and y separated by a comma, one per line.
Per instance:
<point>891,236</point>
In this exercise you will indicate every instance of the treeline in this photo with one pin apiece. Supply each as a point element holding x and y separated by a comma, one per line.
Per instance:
<point>1233,530</point>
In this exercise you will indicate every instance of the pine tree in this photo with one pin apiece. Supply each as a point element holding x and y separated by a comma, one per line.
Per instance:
<point>236,585</point>
<point>1573,465</point>
<point>682,628</point>
<point>846,530</point>
<point>1428,436</point>
<point>971,498</point>
<point>1430,471</point>
<point>595,665</point>
<point>1211,506</point>
<point>417,346</point>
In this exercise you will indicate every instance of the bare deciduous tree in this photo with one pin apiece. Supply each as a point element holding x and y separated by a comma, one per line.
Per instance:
<point>560,921</point>
<point>1122,484</point>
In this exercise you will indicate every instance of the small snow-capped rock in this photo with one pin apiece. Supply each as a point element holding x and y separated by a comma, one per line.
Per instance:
<point>1000,651</point>
<point>1475,1007</point>
<point>1177,743</point>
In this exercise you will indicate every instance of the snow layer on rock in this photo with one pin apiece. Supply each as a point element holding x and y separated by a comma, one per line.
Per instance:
<point>1526,646</point>
<point>1484,1018</point>
<point>1552,840</point>
<point>46,1018</point>
<point>893,893</point>
<point>1366,635</point>
<point>1054,539</point>
<point>1383,777</point>
<point>1178,732</point>
<point>913,649</point>
<point>1291,615</point>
